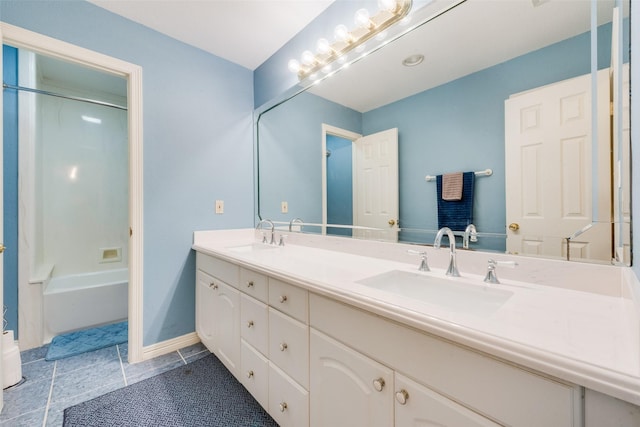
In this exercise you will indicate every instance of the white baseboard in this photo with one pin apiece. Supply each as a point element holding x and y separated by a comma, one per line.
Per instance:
<point>168,346</point>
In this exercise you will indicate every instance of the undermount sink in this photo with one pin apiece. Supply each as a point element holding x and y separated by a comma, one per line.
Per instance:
<point>253,247</point>
<point>452,294</point>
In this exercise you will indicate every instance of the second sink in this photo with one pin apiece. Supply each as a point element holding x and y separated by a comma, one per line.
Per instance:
<point>452,294</point>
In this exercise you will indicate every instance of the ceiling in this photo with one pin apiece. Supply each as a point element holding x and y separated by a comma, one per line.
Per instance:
<point>246,32</point>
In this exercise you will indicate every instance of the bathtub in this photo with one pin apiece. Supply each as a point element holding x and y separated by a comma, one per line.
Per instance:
<point>84,300</point>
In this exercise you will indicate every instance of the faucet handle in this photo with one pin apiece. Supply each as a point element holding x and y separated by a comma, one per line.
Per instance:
<point>491,276</point>
<point>424,266</point>
<point>282,237</point>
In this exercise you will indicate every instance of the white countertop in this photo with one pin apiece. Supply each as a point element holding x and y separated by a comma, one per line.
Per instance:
<point>588,338</point>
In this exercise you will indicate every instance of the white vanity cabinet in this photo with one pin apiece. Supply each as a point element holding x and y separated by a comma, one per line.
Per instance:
<point>416,405</point>
<point>218,309</point>
<point>348,388</point>
<point>456,386</point>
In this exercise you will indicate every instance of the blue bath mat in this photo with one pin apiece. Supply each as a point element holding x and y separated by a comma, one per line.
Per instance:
<point>74,343</point>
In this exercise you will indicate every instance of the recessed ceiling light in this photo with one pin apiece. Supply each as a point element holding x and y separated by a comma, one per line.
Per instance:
<point>413,60</point>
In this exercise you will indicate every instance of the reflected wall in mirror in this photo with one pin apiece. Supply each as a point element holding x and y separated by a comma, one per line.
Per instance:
<point>456,111</point>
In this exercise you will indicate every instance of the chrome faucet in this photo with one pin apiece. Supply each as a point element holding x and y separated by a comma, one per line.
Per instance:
<point>264,237</point>
<point>424,266</point>
<point>295,221</point>
<point>470,235</point>
<point>452,270</point>
<point>491,276</point>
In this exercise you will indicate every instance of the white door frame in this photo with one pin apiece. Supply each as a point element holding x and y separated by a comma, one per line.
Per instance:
<point>342,133</point>
<point>21,38</point>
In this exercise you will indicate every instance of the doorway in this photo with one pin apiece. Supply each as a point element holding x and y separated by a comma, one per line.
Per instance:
<point>24,39</point>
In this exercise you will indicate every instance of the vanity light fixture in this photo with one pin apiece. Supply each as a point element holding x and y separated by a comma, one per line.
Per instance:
<point>413,60</point>
<point>390,12</point>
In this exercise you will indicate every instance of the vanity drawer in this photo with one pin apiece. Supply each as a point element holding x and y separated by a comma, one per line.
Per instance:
<point>289,346</point>
<point>255,373</point>
<point>289,299</point>
<point>288,402</point>
<point>254,284</point>
<point>217,268</point>
<point>254,322</point>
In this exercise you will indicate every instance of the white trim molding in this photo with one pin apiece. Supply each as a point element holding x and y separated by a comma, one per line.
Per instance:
<point>168,346</point>
<point>38,43</point>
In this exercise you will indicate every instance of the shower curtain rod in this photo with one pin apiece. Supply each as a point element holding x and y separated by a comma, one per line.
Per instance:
<point>73,98</point>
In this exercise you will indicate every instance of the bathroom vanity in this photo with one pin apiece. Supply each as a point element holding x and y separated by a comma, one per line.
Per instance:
<point>332,332</point>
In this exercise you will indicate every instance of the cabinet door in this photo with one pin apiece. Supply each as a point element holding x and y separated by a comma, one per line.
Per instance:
<point>417,405</point>
<point>205,311</point>
<point>346,387</point>
<point>226,339</point>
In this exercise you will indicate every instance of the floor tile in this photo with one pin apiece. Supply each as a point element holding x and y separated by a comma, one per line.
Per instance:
<point>38,370</point>
<point>191,350</point>
<point>84,360</point>
<point>34,354</point>
<point>86,379</point>
<point>136,369</point>
<point>55,415</point>
<point>153,371</point>
<point>29,419</point>
<point>28,396</point>
<point>196,356</point>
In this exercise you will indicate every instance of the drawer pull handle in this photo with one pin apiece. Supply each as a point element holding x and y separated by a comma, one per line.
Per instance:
<point>249,323</point>
<point>250,374</point>
<point>283,346</point>
<point>283,298</point>
<point>402,396</point>
<point>378,384</point>
<point>283,406</point>
<point>213,285</point>
<point>250,284</point>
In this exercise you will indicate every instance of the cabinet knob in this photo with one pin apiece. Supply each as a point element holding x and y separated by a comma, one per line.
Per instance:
<point>250,374</point>
<point>283,406</point>
<point>283,346</point>
<point>378,384</point>
<point>402,396</point>
<point>283,298</point>
<point>249,323</point>
<point>250,284</point>
<point>213,285</point>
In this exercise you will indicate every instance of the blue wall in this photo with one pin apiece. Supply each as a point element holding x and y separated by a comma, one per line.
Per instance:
<point>290,147</point>
<point>10,187</point>
<point>197,144</point>
<point>339,184</point>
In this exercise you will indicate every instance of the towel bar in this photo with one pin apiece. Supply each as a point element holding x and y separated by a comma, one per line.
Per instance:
<point>486,172</point>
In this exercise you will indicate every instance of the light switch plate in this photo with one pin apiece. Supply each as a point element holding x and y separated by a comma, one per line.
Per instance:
<point>219,206</point>
<point>284,207</point>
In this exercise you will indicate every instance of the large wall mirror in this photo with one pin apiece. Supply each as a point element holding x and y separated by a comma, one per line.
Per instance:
<point>530,97</point>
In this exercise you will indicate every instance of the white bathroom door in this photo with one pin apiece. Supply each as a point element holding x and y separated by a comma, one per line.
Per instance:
<point>1,222</point>
<point>548,154</point>
<point>375,186</point>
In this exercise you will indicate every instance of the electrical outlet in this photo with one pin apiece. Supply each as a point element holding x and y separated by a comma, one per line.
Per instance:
<point>219,206</point>
<point>284,207</point>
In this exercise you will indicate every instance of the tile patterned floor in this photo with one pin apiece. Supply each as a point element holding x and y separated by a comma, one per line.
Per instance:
<point>53,386</point>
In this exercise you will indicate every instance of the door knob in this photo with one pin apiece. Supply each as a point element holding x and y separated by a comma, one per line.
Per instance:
<point>2,248</point>
<point>392,222</point>
<point>514,226</point>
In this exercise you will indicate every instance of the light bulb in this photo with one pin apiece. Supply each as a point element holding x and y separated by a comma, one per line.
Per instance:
<point>362,18</point>
<point>341,33</point>
<point>327,69</point>
<point>390,5</point>
<point>323,46</point>
<point>294,66</point>
<point>308,58</point>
